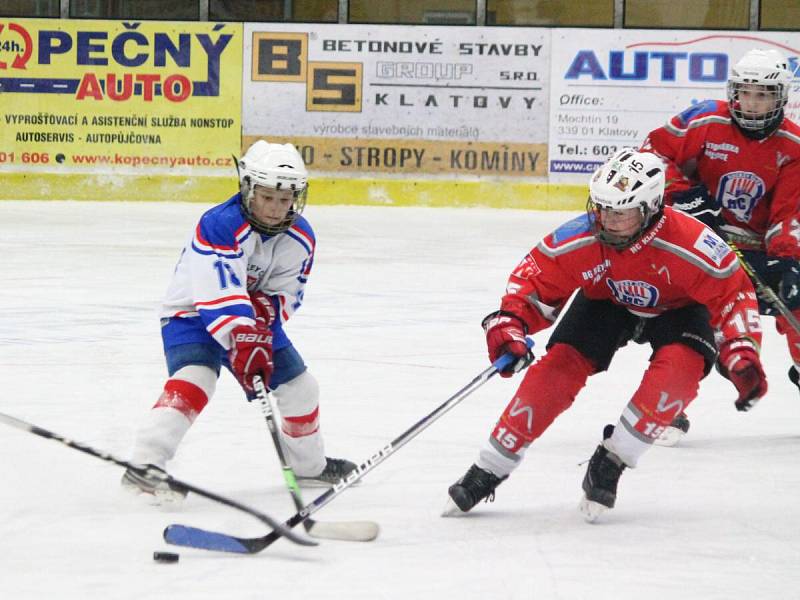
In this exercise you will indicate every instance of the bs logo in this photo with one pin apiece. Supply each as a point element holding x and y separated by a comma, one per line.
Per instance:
<point>330,86</point>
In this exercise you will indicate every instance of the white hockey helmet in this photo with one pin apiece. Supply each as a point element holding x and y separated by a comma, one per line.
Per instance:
<point>277,167</point>
<point>769,70</point>
<point>630,179</point>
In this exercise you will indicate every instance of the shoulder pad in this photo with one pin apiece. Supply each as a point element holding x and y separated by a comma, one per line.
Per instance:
<point>571,229</point>
<point>697,110</point>
<point>301,224</point>
<point>224,226</point>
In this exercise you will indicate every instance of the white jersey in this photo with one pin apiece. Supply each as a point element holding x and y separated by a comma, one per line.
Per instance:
<point>226,259</point>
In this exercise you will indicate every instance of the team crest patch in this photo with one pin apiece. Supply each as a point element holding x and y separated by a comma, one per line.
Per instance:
<point>635,293</point>
<point>712,246</point>
<point>739,192</point>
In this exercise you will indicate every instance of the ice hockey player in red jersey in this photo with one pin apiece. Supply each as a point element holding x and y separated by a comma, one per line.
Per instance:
<point>644,273</point>
<point>240,277</point>
<point>735,165</point>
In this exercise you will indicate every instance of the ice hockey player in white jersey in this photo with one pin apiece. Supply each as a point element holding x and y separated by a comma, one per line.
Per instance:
<point>238,280</point>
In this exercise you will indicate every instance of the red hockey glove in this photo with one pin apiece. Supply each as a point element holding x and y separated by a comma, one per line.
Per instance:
<point>739,362</point>
<point>263,307</point>
<point>783,239</point>
<point>251,354</point>
<point>505,332</point>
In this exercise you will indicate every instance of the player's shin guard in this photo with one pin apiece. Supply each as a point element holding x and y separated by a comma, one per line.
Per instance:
<point>298,403</point>
<point>548,389</point>
<point>668,386</point>
<point>185,395</point>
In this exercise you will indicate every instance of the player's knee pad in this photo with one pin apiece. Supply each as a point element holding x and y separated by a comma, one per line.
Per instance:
<point>188,390</point>
<point>298,401</point>
<point>668,386</point>
<point>548,389</point>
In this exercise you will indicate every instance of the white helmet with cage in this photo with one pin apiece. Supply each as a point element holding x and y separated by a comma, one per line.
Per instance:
<point>629,180</point>
<point>764,71</point>
<point>276,167</point>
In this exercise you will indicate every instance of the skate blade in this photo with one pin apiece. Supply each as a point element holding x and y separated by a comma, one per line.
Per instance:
<point>168,498</point>
<point>669,437</point>
<point>164,499</point>
<point>452,510</point>
<point>591,510</point>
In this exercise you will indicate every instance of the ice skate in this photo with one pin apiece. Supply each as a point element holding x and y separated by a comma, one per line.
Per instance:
<point>335,470</point>
<point>794,376</point>
<point>600,483</point>
<point>151,484</point>
<point>673,433</point>
<point>473,487</point>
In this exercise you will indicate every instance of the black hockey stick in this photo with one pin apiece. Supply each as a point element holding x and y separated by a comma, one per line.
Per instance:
<point>181,535</point>
<point>355,531</point>
<point>161,476</point>
<point>762,288</point>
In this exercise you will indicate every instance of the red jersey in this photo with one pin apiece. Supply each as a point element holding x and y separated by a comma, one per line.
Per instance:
<point>756,181</point>
<point>677,262</point>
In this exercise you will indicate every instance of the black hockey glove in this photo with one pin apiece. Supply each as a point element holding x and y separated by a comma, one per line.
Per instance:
<point>699,203</point>
<point>783,275</point>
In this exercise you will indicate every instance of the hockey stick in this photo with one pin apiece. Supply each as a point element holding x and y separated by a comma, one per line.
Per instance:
<point>181,535</point>
<point>762,288</point>
<point>355,531</point>
<point>155,474</point>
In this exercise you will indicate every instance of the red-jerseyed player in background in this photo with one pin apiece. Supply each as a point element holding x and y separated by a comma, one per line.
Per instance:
<point>735,165</point>
<point>644,273</point>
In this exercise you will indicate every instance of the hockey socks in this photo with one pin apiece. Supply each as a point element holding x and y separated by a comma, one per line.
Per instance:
<point>548,389</point>
<point>668,386</point>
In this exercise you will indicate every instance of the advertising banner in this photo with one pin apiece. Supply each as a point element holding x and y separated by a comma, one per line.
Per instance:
<point>118,97</point>
<point>405,101</point>
<point>610,88</point>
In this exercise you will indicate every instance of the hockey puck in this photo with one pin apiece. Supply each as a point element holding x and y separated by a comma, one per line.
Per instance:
<point>166,557</point>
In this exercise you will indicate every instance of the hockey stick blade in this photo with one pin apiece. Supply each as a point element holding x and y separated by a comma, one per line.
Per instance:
<point>203,539</point>
<point>348,531</point>
<point>228,543</point>
<point>355,531</point>
<point>193,537</point>
<point>142,470</point>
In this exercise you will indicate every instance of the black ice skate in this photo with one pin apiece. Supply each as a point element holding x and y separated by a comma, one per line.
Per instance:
<point>674,432</point>
<point>600,483</point>
<point>794,376</point>
<point>335,470</point>
<point>473,487</point>
<point>149,483</point>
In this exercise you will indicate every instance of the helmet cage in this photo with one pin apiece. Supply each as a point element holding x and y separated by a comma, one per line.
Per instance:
<point>764,123</point>
<point>247,189</point>
<point>594,209</point>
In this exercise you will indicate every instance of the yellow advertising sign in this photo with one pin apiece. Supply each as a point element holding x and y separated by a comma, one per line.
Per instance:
<point>134,98</point>
<point>356,156</point>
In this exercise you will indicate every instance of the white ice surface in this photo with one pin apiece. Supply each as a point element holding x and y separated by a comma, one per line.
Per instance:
<point>391,329</point>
